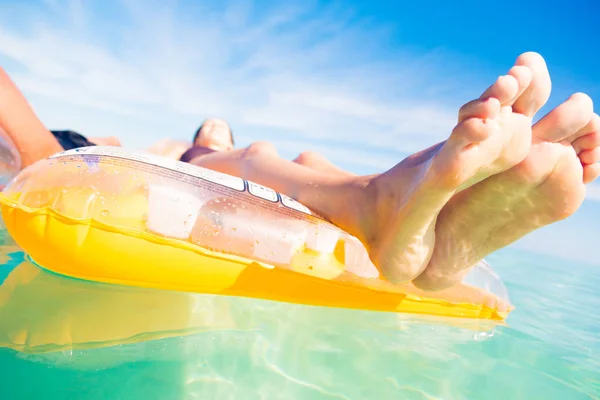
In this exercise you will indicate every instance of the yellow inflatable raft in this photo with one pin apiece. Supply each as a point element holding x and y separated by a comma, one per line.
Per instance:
<point>110,215</point>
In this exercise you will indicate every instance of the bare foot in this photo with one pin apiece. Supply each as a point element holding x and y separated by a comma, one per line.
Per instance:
<point>397,216</point>
<point>548,186</point>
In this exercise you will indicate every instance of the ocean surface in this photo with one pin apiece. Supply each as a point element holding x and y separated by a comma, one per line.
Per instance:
<point>61,338</point>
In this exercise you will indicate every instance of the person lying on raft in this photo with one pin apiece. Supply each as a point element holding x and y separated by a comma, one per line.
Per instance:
<point>434,215</point>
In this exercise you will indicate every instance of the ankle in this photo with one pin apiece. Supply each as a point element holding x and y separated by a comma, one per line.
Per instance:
<point>340,200</point>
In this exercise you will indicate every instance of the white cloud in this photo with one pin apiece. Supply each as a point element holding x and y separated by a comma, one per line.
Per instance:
<point>309,73</point>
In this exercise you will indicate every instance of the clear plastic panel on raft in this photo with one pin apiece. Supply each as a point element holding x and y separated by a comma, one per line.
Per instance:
<point>138,192</point>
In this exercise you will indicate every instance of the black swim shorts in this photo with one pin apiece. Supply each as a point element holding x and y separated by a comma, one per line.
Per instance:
<point>71,139</point>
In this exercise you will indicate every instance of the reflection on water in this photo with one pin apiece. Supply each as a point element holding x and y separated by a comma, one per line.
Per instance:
<point>62,338</point>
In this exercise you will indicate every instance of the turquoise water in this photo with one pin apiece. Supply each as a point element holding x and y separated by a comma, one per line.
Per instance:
<point>74,344</point>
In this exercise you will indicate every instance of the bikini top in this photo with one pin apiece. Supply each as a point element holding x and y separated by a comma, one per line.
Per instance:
<point>194,152</point>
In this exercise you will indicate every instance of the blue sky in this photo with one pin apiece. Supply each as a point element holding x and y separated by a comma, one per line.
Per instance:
<point>365,83</point>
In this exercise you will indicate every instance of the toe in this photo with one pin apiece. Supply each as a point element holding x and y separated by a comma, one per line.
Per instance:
<point>587,142</point>
<point>587,137</point>
<point>588,157</point>
<point>566,120</point>
<point>503,92</point>
<point>538,92</point>
<point>481,108</point>
<point>504,89</point>
<point>472,131</point>
<point>524,78</point>
<point>591,173</point>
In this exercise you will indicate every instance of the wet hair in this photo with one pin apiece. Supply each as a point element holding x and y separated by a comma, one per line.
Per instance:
<point>200,129</point>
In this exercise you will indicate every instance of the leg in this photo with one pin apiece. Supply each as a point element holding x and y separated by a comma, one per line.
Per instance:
<point>228,161</point>
<point>106,141</point>
<point>260,163</point>
<point>232,162</point>
<point>394,213</point>
<point>317,162</point>
<point>549,185</point>
<point>32,140</point>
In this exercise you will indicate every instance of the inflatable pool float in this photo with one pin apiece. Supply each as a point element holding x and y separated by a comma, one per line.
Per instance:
<point>110,215</point>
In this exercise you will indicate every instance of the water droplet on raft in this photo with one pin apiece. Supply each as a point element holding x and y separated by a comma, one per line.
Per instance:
<point>104,213</point>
